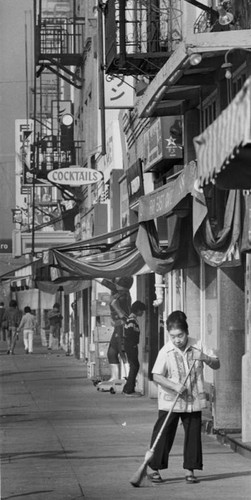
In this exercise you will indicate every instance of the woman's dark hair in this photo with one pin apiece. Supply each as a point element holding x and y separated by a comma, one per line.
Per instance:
<point>27,309</point>
<point>13,303</point>
<point>177,319</point>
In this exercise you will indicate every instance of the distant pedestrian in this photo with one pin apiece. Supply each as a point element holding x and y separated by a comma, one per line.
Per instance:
<point>28,324</point>
<point>2,327</point>
<point>55,320</point>
<point>11,319</point>
<point>172,365</point>
<point>131,341</point>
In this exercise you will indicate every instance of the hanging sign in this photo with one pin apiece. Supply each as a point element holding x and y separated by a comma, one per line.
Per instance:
<point>74,176</point>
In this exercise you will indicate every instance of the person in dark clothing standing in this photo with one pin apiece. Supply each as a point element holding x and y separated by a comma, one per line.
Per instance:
<point>131,341</point>
<point>2,327</point>
<point>55,320</point>
<point>12,318</point>
<point>120,307</point>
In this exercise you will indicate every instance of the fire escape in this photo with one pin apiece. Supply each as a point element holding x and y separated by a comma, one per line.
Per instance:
<point>49,143</point>
<point>58,59</point>
<point>140,36</point>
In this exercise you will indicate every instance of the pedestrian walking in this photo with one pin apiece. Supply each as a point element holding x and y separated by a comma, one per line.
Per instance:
<point>120,307</point>
<point>55,320</point>
<point>131,341</point>
<point>2,327</point>
<point>11,321</point>
<point>172,365</point>
<point>28,324</point>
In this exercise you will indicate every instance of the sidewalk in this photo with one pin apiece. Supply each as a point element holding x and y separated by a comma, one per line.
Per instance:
<point>64,440</point>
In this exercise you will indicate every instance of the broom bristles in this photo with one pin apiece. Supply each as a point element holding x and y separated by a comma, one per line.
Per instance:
<point>139,475</point>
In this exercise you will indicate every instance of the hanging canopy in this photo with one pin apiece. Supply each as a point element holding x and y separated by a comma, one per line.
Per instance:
<point>224,148</point>
<point>112,264</point>
<point>93,258</point>
<point>163,200</point>
<point>218,247</point>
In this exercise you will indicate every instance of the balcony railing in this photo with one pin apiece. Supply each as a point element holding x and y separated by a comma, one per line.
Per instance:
<point>141,36</point>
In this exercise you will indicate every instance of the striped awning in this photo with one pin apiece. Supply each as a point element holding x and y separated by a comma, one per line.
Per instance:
<point>224,148</point>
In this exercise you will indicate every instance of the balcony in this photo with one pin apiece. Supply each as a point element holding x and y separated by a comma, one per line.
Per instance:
<point>59,43</point>
<point>140,36</point>
<point>59,39</point>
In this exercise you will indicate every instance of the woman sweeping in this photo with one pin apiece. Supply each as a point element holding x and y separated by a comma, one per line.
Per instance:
<point>172,365</point>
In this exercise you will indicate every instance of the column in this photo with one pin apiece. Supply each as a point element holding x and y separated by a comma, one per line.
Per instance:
<point>231,321</point>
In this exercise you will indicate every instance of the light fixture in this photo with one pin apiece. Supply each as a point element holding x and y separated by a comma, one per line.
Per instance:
<point>228,70</point>
<point>67,119</point>
<point>225,17</point>
<point>227,66</point>
<point>195,59</point>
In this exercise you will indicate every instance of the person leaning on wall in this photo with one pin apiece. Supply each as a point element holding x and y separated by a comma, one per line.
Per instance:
<point>131,341</point>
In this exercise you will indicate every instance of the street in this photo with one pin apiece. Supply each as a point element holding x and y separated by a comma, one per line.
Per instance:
<point>62,439</point>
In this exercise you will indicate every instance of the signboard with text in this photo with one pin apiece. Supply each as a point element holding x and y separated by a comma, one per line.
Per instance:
<point>119,92</point>
<point>163,141</point>
<point>5,246</point>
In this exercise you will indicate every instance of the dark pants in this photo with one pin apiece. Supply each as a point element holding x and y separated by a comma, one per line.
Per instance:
<point>192,451</point>
<point>11,338</point>
<point>132,357</point>
<point>115,346</point>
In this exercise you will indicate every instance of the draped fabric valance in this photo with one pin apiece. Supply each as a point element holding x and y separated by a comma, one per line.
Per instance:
<point>163,200</point>
<point>223,149</point>
<point>218,247</point>
<point>68,286</point>
<point>180,253</point>
<point>124,261</point>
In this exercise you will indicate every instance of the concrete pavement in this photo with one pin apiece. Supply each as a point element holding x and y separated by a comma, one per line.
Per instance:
<point>64,440</point>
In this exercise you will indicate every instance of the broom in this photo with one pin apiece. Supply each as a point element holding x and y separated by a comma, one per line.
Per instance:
<point>139,475</point>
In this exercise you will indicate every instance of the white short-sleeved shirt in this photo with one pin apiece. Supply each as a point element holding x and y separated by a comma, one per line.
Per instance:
<point>174,364</point>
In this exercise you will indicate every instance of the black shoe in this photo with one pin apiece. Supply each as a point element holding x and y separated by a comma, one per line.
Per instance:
<point>191,480</point>
<point>8,352</point>
<point>132,394</point>
<point>155,477</point>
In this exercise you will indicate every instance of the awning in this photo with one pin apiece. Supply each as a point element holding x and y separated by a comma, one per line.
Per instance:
<point>116,263</point>
<point>224,149</point>
<point>163,200</point>
<point>109,255</point>
<point>218,247</point>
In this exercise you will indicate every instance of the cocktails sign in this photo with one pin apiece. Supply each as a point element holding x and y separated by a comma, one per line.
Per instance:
<point>74,176</point>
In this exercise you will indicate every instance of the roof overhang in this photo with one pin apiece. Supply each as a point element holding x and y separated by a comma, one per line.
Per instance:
<point>178,81</point>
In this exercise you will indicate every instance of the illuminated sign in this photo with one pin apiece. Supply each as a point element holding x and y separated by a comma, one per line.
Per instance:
<point>74,176</point>
<point>5,246</point>
<point>163,141</point>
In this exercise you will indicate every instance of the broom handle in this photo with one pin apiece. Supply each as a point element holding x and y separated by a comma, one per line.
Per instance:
<point>170,412</point>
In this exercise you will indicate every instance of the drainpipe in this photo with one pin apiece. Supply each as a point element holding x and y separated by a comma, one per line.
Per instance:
<point>161,298</point>
<point>159,290</point>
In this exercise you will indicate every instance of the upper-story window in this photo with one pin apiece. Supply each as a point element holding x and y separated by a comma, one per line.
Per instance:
<point>238,79</point>
<point>209,110</point>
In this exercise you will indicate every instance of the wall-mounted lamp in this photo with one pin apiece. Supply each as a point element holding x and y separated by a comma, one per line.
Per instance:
<point>195,59</point>
<point>227,66</point>
<point>225,17</point>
